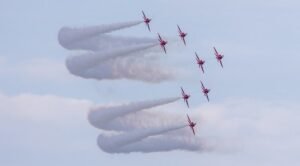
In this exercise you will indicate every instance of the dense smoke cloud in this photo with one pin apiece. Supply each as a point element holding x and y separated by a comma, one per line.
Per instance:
<point>112,57</point>
<point>133,135</point>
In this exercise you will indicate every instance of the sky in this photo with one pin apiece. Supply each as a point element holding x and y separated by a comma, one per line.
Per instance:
<point>253,114</point>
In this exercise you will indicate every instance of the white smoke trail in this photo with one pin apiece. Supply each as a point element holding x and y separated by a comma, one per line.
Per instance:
<point>86,61</point>
<point>113,57</point>
<point>104,42</point>
<point>145,140</point>
<point>153,144</point>
<point>101,117</point>
<point>135,136</point>
<point>68,36</point>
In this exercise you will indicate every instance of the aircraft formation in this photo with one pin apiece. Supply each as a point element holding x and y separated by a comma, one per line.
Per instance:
<point>200,62</point>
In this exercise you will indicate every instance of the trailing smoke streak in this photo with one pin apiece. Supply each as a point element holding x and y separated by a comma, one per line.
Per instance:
<point>67,36</point>
<point>101,117</point>
<point>138,68</point>
<point>110,57</point>
<point>120,70</point>
<point>138,135</point>
<point>134,137</point>
<point>114,58</point>
<point>154,144</point>
<point>79,63</point>
<point>104,42</point>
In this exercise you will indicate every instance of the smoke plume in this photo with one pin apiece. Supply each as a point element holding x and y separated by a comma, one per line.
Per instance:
<point>112,57</point>
<point>131,127</point>
<point>132,135</point>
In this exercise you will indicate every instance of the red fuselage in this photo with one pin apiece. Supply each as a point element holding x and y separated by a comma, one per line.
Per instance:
<point>147,20</point>
<point>192,124</point>
<point>185,96</point>
<point>163,42</point>
<point>200,62</point>
<point>219,57</point>
<point>205,91</point>
<point>182,34</point>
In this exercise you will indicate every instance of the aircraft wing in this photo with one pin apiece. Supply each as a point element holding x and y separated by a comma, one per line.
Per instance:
<point>148,27</point>
<point>179,30</point>
<point>207,97</point>
<point>202,85</point>
<point>197,58</point>
<point>216,52</point>
<point>182,91</point>
<point>187,103</point>
<point>221,63</point>
<point>202,69</point>
<point>164,49</point>
<point>193,130</point>
<point>183,40</point>
<point>144,15</point>
<point>160,39</point>
<point>189,120</point>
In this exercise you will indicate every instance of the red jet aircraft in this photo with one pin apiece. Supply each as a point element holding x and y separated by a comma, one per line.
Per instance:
<point>205,91</point>
<point>185,97</point>
<point>162,43</point>
<point>146,20</point>
<point>191,124</point>
<point>219,57</point>
<point>181,34</point>
<point>200,62</point>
